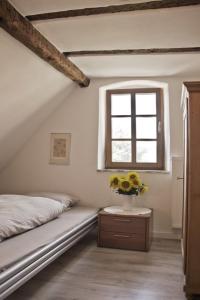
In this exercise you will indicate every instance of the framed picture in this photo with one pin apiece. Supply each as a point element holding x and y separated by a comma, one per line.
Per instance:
<point>60,148</point>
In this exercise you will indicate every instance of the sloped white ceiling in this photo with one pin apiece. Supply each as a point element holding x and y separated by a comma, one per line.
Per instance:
<point>30,90</point>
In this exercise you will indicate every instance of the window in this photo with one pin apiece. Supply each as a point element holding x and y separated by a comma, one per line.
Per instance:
<point>134,129</point>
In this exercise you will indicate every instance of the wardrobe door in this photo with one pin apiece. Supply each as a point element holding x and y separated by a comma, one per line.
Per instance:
<point>185,187</point>
<point>191,210</point>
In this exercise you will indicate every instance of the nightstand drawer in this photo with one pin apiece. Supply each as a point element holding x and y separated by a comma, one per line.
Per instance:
<point>122,240</point>
<point>122,224</point>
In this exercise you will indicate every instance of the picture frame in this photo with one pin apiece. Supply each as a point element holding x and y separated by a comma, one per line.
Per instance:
<point>60,147</point>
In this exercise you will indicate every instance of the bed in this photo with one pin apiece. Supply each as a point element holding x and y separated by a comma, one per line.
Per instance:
<point>26,254</point>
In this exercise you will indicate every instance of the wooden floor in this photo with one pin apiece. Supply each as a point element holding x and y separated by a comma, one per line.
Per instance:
<point>87,272</point>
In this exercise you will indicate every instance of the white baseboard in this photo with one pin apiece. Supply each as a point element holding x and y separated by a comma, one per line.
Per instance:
<point>167,235</point>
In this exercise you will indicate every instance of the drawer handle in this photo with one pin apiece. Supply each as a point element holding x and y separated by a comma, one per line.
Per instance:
<point>123,220</point>
<point>121,236</point>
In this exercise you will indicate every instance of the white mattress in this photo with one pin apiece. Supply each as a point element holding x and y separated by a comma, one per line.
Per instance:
<point>15,248</point>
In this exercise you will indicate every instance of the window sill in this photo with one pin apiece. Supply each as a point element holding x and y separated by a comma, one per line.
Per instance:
<point>139,171</point>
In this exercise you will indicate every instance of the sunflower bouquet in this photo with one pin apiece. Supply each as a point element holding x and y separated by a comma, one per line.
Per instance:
<point>129,184</point>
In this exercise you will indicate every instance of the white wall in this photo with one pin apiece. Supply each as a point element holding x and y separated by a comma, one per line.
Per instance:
<point>30,170</point>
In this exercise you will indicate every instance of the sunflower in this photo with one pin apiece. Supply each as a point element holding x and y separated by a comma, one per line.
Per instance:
<point>132,175</point>
<point>114,181</point>
<point>136,182</point>
<point>144,189</point>
<point>125,185</point>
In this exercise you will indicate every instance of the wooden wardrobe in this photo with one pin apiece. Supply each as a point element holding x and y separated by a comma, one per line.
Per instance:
<point>191,207</point>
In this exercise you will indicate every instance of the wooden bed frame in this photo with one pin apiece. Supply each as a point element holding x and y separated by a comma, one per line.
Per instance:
<point>21,271</point>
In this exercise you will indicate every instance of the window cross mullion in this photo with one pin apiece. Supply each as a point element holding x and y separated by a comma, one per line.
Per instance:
<point>133,123</point>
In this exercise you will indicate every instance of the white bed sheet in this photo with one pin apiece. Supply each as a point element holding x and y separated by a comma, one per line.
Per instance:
<point>19,213</point>
<point>17,247</point>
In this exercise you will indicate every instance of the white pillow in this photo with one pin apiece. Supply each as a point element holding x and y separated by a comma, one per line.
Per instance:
<point>66,199</point>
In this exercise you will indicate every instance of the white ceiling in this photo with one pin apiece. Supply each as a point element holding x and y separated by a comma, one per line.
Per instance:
<point>124,31</point>
<point>28,7</point>
<point>144,29</point>
<point>140,66</point>
<point>164,28</point>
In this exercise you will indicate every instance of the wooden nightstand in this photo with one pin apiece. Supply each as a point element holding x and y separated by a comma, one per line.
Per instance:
<point>131,232</point>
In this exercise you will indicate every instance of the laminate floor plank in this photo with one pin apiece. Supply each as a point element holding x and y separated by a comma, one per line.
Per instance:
<point>87,272</point>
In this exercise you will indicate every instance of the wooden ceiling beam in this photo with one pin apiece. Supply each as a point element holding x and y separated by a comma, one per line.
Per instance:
<point>133,51</point>
<point>22,30</point>
<point>113,9</point>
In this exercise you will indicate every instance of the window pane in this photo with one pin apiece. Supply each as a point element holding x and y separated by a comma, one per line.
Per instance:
<point>145,104</point>
<point>121,151</point>
<point>121,128</point>
<point>121,104</point>
<point>146,152</point>
<point>146,128</point>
